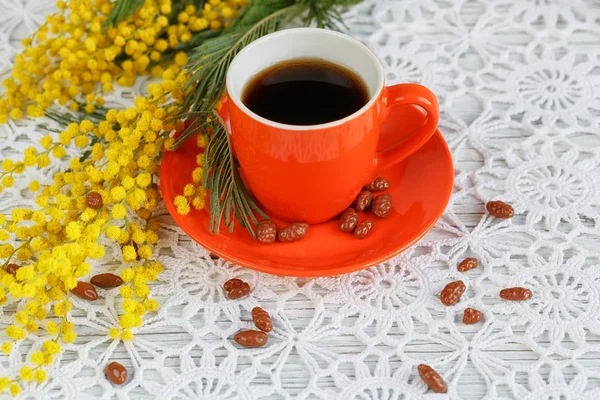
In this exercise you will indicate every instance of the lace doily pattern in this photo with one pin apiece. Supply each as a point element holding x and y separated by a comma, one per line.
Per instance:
<point>519,88</point>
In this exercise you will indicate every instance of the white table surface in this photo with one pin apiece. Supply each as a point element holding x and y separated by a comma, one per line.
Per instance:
<point>497,67</point>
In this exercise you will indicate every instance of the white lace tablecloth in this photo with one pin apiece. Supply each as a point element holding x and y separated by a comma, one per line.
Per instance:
<point>519,88</point>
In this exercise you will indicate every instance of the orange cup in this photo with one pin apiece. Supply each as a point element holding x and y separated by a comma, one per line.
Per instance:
<point>311,173</point>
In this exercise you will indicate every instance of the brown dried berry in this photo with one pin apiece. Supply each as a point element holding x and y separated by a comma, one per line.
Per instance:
<point>106,281</point>
<point>432,378</point>
<point>85,290</point>
<point>348,220</point>
<point>515,294</point>
<point>378,185</point>
<point>239,291</point>
<point>292,232</point>
<point>93,200</point>
<point>116,373</point>
<point>500,209</point>
<point>232,283</point>
<point>471,316</point>
<point>363,201</point>
<point>382,205</point>
<point>266,231</point>
<point>12,268</point>
<point>251,338</point>
<point>452,292</point>
<point>468,264</point>
<point>364,228</point>
<point>262,319</point>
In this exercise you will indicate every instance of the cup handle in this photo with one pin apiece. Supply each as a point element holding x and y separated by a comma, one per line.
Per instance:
<point>407,93</point>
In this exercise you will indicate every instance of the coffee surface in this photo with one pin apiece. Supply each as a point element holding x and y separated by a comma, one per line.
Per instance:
<point>305,91</point>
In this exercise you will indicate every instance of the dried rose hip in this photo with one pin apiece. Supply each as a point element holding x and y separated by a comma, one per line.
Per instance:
<point>85,291</point>
<point>116,373</point>
<point>515,294</point>
<point>432,378</point>
<point>106,281</point>
<point>363,201</point>
<point>292,232</point>
<point>230,284</point>
<point>93,200</point>
<point>452,292</point>
<point>251,338</point>
<point>382,205</point>
<point>239,291</point>
<point>378,185</point>
<point>471,316</point>
<point>500,209</point>
<point>364,228</point>
<point>468,264</point>
<point>348,220</point>
<point>12,268</point>
<point>262,319</point>
<point>266,231</point>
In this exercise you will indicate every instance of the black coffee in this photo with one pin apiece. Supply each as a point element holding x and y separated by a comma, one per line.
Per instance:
<point>305,91</point>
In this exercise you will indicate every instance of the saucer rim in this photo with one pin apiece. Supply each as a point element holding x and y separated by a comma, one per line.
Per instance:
<point>290,270</point>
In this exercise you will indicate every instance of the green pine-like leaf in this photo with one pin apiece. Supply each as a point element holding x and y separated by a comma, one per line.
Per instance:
<point>229,199</point>
<point>258,10</point>
<point>325,13</point>
<point>122,10</point>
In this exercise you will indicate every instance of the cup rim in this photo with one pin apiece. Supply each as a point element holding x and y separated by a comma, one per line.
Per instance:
<point>369,53</point>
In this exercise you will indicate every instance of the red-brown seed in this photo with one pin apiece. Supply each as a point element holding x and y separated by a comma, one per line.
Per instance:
<point>363,201</point>
<point>116,373</point>
<point>452,292</point>
<point>12,268</point>
<point>500,209</point>
<point>348,220</point>
<point>85,290</point>
<point>292,232</point>
<point>515,294</point>
<point>93,200</point>
<point>213,256</point>
<point>432,378</point>
<point>262,319</point>
<point>106,281</point>
<point>382,205</point>
<point>378,185</point>
<point>363,229</point>
<point>468,264</point>
<point>251,338</point>
<point>266,231</point>
<point>239,291</point>
<point>230,284</point>
<point>471,316</point>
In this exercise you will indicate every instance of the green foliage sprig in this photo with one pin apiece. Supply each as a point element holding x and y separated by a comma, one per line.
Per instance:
<point>122,10</point>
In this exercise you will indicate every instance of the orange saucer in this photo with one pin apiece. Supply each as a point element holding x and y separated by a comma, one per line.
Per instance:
<point>420,187</point>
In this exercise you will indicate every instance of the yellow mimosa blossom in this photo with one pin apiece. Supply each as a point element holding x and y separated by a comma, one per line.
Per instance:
<point>109,190</point>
